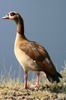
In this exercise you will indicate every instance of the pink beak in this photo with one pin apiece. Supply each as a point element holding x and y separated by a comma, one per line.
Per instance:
<point>5,17</point>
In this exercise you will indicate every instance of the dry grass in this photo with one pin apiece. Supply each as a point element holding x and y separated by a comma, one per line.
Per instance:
<point>13,86</point>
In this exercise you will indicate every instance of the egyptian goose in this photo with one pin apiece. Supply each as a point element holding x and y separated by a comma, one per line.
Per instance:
<point>31,55</point>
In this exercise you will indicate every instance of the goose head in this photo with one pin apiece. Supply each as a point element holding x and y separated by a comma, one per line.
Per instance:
<point>18,20</point>
<point>12,16</point>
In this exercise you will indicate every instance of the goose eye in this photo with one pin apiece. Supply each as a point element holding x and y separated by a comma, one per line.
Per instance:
<point>12,14</point>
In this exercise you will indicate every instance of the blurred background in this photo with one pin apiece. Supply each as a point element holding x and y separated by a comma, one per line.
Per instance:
<point>44,21</point>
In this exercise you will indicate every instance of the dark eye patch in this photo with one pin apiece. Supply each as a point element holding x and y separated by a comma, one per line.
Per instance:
<point>12,14</point>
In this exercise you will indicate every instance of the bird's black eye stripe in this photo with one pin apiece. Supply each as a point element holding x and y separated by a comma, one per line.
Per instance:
<point>12,14</point>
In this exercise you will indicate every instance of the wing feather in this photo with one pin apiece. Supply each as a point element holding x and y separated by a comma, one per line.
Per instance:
<point>39,54</point>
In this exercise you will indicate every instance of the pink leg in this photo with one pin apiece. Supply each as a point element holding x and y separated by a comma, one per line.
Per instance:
<point>37,82</point>
<point>25,79</point>
<point>37,79</point>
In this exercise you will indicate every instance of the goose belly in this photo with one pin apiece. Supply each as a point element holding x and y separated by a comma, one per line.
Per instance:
<point>26,62</point>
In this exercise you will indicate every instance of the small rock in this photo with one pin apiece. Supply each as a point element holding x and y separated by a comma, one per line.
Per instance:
<point>21,98</point>
<point>17,94</point>
<point>29,99</point>
<point>58,99</point>
<point>26,94</point>
<point>54,96</point>
<point>4,93</point>
<point>12,98</point>
<point>45,98</point>
<point>21,94</point>
<point>16,89</point>
<point>37,99</point>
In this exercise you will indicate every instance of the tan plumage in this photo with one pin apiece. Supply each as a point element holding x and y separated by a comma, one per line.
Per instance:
<point>31,55</point>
